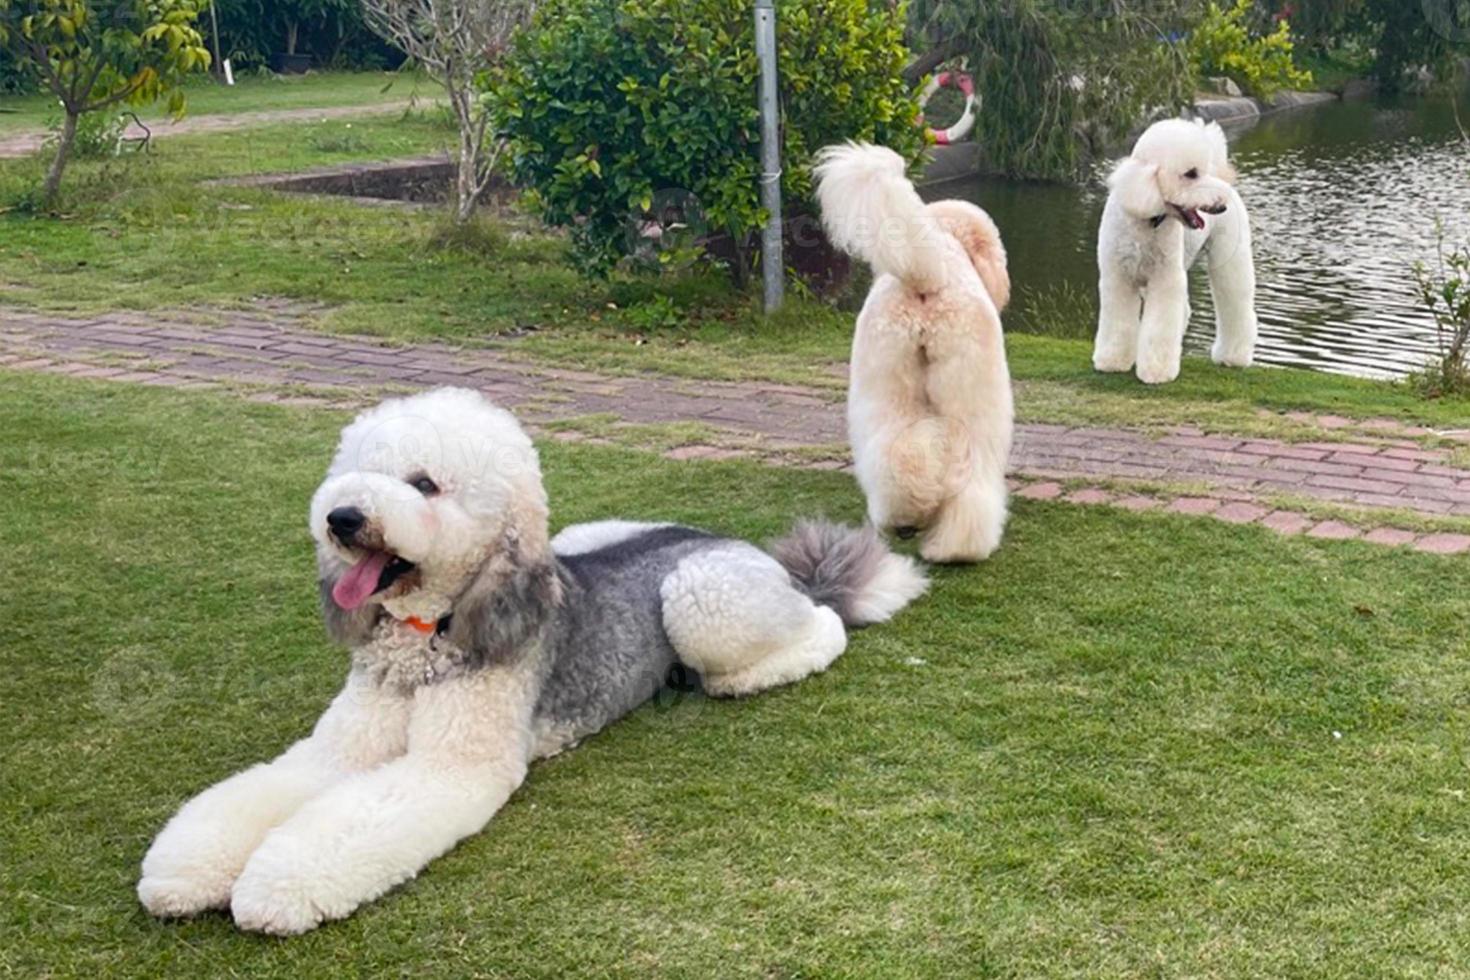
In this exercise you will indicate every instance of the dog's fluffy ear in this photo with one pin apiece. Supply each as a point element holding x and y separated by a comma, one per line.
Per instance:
<point>978,235</point>
<point>351,628</point>
<point>505,607</point>
<point>1219,153</point>
<point>1136,186</point>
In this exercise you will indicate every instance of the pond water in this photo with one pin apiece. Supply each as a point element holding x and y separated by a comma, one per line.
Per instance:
<point>1344,198</point>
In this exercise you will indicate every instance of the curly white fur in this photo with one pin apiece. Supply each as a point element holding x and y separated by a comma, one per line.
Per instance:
<point>400,767</point>
<point>929,407</point>
<point>1170,201</point>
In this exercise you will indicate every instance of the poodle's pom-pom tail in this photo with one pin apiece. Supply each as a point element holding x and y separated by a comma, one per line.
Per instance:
<point>870,210</point>
<point>849,570</point>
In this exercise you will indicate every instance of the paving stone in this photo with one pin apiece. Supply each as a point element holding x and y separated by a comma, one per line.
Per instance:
<point>689,452</point>
<point>1197,506</point>
<point>1432,469</point>
<point>1334,531</point>
<point>1138,503</point>
<point>1408,479</point>
<point>1240,512</point>
<point>1361,448</point>
<point>1355,484</point>
<point>1201,442</point>
<point>1091,495</point>
<point>1404,503</point>
<point>1283,449</point>
<point>1041,491</point>
<point>1418,455</point>
<point>1391,536</point>
<point>1286,522</point>
<point>1316,467</point>
<point>1380,462</point>
<point>1443,544</point>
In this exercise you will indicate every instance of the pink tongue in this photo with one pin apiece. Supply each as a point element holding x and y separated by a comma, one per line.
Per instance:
<point>361,581</point>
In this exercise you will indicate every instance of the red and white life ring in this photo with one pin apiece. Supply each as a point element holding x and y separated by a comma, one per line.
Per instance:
<point>966,122</point>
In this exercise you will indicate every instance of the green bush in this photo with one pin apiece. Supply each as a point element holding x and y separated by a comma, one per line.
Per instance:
<point>631,118</point>
<point>96,137</point>
<point>1445,292</point>
<point>13,75</point>
<point>1222,45</point>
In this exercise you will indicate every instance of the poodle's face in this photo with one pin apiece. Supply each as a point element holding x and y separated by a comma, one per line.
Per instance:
<point>422,492</point>
<point>1178,170</point>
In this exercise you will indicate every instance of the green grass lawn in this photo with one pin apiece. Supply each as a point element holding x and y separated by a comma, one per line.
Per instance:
<point>251,93</point>
<point>1225,755</point>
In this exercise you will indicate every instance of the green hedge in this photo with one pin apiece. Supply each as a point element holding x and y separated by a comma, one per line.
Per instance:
<point>615,106</point>
<point>12,78</point>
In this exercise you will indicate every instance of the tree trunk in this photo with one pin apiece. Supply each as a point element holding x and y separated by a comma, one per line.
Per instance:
<point>467,178</point>
<point>932,59</point>
<point>58,163</point>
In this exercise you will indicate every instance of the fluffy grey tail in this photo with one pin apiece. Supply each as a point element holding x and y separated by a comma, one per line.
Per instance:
<point>849,570</point>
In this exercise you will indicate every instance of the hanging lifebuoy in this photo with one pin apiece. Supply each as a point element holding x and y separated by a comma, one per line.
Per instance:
<point>966,122</point>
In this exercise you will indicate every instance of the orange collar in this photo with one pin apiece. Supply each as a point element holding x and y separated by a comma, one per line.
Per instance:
<point>413,622</point>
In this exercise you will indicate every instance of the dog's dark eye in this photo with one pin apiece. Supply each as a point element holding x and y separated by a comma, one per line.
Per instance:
<point>424,485</point>
<point>1192,175</point>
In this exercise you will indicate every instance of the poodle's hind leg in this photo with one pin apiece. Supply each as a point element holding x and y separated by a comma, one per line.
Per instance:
<point>1120,306</point>
<point>1233,286</point>
<point>970,523</point>
<point>732,614</point>
<point>1161,334</point>
<point>927,464</point>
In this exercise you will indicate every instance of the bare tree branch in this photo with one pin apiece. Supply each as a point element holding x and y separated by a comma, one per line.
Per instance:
<point>455,40</point>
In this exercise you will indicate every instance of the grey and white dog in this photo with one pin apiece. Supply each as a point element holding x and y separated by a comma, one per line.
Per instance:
<point>478,646</point>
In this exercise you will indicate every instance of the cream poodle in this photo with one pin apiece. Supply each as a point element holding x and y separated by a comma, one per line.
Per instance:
<point>1170,201</point>
<point>929,404</point>
<point>480,644</point>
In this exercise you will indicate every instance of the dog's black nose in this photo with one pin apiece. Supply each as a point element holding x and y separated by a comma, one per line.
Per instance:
<point>345,522</point>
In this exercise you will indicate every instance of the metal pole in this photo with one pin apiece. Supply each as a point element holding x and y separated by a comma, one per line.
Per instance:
<point>219,64</point>
<point>773,267</point>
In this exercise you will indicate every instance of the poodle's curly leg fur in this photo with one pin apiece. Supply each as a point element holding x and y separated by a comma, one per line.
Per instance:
<point>196,858</point>
<point>469,745</point>
<point>1161,335</point>
<point>1116,347</point>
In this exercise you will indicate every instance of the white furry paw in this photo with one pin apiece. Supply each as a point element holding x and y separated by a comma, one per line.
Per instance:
<point>1157,371</point>
<point>1112,363</point>
<point>276,906</point>
<point>179,896</point>
<point>1232,358</point>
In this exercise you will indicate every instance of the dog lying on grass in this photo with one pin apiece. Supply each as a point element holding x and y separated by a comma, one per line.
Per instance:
<point>478,646</point>
<point>929,405</point>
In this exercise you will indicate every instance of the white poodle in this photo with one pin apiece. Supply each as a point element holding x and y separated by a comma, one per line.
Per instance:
<point>1171,200</point>
<point>929,405</point>
<point>479,645</point>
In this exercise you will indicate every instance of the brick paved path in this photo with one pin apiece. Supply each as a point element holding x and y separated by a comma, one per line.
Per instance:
<point>1236,479</point>
<point>24,144</point>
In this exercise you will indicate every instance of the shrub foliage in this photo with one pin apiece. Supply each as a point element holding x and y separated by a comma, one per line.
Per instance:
<point>1445,292</point>
<point>1262,65</point>
<point>615,108</point>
